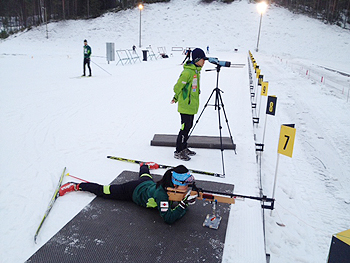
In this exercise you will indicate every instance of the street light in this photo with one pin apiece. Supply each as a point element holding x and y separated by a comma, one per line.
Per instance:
<point>140,7</point>
<point>88,8</point>
<point>44,10</point>
<point>262,6</point>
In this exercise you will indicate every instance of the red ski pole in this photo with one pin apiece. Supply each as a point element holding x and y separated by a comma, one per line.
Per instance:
<point>77,178</point>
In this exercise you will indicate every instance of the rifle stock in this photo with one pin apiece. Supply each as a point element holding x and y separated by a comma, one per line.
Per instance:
<point>178,195</point>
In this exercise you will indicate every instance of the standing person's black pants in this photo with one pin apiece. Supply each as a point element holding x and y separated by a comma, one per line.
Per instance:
<point>87,61</point>
<point>186,125</point>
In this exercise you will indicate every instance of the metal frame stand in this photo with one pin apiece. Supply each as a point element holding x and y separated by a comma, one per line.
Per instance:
<point>212,221</point>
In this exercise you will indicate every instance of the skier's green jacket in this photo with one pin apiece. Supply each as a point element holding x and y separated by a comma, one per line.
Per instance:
<point>87,51</point>
<point>147,194</point>
<point>187,89</point>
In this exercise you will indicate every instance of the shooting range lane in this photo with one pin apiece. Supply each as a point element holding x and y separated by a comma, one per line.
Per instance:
<point>117,231</point>
<point>245,236</point>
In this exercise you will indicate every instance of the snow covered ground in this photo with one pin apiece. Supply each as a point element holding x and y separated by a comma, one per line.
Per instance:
<point>50,118</point>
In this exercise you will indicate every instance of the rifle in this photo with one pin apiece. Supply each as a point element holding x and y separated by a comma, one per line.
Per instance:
<point>220,197</point>
<point>178,195</point>
<point>213,220</point>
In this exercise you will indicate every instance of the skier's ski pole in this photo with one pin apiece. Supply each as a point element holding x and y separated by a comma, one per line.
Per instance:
<point>77,178</point>
<point>154,165</point>
<point>101,68</point>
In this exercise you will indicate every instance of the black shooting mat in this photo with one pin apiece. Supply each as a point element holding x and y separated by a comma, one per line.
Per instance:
<point>207,142</point>
<point>121,231</point>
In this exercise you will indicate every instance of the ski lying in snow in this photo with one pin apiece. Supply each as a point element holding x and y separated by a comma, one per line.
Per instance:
<point>80,77</point>
<point>53,199</point>
<point>153,165</point>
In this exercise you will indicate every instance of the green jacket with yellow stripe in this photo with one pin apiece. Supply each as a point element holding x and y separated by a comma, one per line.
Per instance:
<point>187,89</point>
<point>147,194</point>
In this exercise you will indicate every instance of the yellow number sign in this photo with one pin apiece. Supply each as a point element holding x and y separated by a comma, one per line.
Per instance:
<point>271,105</point>
<point>286,141</point>
<point>264,88</point>
<point>257,73</point>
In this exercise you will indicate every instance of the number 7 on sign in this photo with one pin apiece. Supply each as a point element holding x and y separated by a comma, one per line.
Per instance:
<point>286,141</point>
<point>285,147</point>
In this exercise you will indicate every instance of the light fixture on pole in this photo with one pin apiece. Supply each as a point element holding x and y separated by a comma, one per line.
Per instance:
<point>140,7</point>
<point>262,6</point>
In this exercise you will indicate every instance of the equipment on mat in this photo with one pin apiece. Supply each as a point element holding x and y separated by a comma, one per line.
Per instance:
<point>213,220</point>
<point>208,195</point>
<point>178,195</point>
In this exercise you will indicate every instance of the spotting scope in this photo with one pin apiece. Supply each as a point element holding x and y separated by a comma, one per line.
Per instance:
<point>219,63</point>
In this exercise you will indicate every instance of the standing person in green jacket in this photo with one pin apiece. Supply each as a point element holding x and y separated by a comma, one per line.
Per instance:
<point>145,192</point>
<point>187,90</point>
<point>87,55</point>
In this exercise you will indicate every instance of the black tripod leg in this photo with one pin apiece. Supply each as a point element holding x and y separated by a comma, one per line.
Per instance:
<point>200,115</point>
<point>218,107</point>
<point>228,127</point>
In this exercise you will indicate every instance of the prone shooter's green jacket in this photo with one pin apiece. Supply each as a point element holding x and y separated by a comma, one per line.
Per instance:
<point>187,89</point>
<point>147,194</point>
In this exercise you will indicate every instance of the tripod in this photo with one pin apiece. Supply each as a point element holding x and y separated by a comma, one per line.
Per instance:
<point>219,104</point>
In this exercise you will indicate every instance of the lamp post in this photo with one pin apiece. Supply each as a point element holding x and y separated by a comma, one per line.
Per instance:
<point>88,8</point>
<point>262,6</point>
<point>44,10</point>
<point>140,7</point>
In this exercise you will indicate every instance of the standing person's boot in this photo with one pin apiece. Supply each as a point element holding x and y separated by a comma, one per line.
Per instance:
<point>181,155</point>
<point>189,152</point>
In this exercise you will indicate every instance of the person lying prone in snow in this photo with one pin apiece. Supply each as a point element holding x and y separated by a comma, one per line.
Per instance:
<point>145,192</point>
